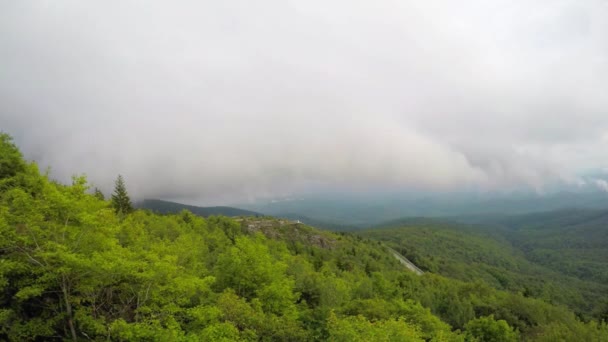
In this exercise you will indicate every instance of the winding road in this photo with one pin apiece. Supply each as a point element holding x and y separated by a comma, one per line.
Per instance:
<point>403,260</point>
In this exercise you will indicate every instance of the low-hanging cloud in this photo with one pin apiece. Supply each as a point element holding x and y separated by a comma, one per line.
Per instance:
<point>602,184</point>
<point>218,101</point>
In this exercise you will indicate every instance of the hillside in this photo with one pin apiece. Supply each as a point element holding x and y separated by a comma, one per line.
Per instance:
<point>574,242</point>
<point>556,256</point>
<point>73,268</point>
<point>166,207</point>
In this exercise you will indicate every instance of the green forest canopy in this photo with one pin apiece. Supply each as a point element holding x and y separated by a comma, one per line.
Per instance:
<point>71,268</point>
<point>557,260</point>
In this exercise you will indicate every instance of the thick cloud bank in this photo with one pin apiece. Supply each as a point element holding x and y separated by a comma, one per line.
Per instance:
<point>227,100</point>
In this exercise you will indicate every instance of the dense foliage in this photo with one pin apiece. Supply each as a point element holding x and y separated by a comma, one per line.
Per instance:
<point>511,259</point>
<point>573,242</point>
<point>72,268</point>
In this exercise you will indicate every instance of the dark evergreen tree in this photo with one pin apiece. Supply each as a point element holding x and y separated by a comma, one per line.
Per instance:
<point>97,193</point>
<point>120,198</point>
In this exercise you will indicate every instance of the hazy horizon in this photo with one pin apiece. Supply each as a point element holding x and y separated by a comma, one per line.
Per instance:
<point>231,101</point>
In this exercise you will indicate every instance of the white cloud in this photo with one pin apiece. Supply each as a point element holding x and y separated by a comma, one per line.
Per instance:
<point>232,99</point>
<point>601,184</point>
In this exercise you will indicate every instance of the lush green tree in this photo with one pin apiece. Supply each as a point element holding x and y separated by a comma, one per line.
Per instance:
<point>487,329</point>
<point>11,160</point>
<point>58,230</point>
<point>120,198</point>
<point>577,331</point>
<point>358,328</point>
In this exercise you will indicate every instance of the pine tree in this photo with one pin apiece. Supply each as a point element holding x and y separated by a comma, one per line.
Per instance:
<point>120,198</point>
<point>97,193</point>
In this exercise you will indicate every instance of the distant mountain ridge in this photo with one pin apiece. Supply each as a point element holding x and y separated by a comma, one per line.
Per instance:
<point>364,211</point>
<point>167,207</point>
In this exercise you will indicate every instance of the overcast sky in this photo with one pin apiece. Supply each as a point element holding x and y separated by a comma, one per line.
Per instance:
<point>221,101</point>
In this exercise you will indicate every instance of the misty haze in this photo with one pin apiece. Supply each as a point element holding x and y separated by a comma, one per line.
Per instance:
<point>304,170</point>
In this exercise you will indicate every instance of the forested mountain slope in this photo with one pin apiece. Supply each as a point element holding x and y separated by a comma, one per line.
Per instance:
<point>166,207</point>
<point>554,256</point>
<point>573,241</point>
<point>72,268</point>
